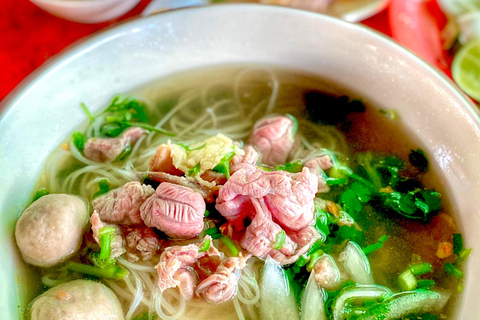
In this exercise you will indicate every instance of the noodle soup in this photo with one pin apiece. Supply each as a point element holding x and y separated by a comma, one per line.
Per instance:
<point>346,199</point>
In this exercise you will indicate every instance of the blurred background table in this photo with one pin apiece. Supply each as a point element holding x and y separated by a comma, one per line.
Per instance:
<point>29,36</point>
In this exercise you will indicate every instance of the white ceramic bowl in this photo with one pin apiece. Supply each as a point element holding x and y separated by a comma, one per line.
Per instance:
<point>44,110</point>
<point>86,11</point>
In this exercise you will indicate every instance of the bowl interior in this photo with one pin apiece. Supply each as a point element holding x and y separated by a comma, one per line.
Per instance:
<point>44,110</point>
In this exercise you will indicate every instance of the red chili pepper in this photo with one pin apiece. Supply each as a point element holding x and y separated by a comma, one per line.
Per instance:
<point>416,24</point>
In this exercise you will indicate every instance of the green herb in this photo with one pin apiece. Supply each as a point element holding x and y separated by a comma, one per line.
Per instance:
<point>335,181</point>
<point>112,272</point>
<point>453,271</point>
<point>79,140</point>
<point>224,165</point>
<point>313,259</point>
<point>91,118</point>
<point>103,187</point>
<point>292,167</point>
<point>188,149</point>
<point>230,245</point>
<point>457,243</point>
<point>143,316</point>
<point>124,154</point>
<point>338,108</point>
<point>128,108</point>
<point>418,159</point>
<point>353,198</point>
<point>420,269</point>
<point>418,204</point>
<point>426,283</point>
<point>373,247</point>
<point>463,255</point>
<point>40,193</point>
<point>213,232</point>
<point>207,213</point>
<point>106,235</point>
<point>407,281</point>
<point>205,246</point>
<point>102,263</point>
<point>195,170</point>
<point>280,240</point>
<point>322,222</point>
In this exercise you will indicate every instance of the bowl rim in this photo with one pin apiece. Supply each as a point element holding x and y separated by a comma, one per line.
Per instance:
<point>86,43</point>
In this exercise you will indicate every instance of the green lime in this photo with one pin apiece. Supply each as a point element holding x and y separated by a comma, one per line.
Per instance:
<point>466,69</point>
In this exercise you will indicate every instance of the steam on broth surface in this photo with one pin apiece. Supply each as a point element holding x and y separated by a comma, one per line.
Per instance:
<point>212,188</point>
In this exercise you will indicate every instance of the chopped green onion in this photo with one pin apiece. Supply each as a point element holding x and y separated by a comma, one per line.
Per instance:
<point>195,170</point>
<point>230,245</point>
<point>453,271</point>
<point>224,165</point>
<point>463,255</point>
<point>335,181</point>
<point>103,187</point>
<point>213,232</point>
<point>313,259</point>
<point>91,118</point>
<point>124,154</point>
<point>79,140</point>
<point>407,281</point>
<point>422,268</point>
<point>427,283</point>
<point>207,213</point>
<point>375,246</point>
<point>205,246</point>
<point>280,240</point>
<point>40,193</point>
<point>457,243</point>
<point>106,234</point>
<point>111,272</point>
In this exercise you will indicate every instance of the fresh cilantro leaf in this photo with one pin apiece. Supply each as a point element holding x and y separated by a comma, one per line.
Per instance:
<point>353,197</point>
<point>79,140</point>
<point>418,159</point>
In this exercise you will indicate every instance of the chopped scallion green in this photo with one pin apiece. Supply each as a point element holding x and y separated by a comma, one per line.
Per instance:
<point>457,243</point>
<point>406,280</point>
<point>453,271</point>
<point>106,235</point>
<point>230,245</point>
<point>463,255</point>
<point>280,240</point>
<point>112,272</point>
<point>422,268</point>
<point>224,165</point>
<point>195,170</point>
<point>103,187</point>
<point>205,246</point>
<point>375,246</point>
<point>427,283</point>
<point>213,232</point>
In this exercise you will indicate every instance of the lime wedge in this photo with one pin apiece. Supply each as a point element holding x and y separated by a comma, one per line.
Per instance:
<point>466,69</point>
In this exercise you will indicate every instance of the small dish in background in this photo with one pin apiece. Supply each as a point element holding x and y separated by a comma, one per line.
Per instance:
<point>86,11</point>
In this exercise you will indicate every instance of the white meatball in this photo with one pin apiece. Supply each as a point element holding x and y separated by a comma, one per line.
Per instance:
<point>51,229</point>
<point>77,300</point>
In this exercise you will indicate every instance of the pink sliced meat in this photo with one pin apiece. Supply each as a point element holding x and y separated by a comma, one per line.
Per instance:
<point>260,238</point>
<point>141,243</point>
<point>222,285</point>
<point>176,267</point>
<point>108,149</point>
<point>251,156</point>
<point>122,205</point>
<point>288,196</point>
<point>176,210</point>
<point>275,138</point>
<point>317,166</point>
<point>261,234</point>
<point>117,245</point>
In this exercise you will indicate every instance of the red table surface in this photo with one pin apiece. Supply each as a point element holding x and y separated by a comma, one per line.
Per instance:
<point>29,36</point>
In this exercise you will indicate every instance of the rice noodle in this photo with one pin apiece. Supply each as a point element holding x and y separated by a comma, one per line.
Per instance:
<point>216,107</point>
